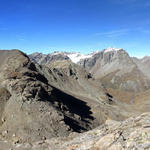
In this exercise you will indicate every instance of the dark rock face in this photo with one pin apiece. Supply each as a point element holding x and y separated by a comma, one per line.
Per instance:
<point>36,57</point>
<point>47,59</point>
<point>88,63</point>
<point>105,62</point>
<point>79,111</point>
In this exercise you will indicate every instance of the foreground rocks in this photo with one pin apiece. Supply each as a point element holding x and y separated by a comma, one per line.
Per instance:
<point>133,133</point>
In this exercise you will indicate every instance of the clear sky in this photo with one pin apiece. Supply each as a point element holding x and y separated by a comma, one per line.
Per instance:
<point>75,25</point>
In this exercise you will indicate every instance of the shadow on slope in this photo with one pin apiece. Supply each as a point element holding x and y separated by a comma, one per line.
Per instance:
<point>77,114</point>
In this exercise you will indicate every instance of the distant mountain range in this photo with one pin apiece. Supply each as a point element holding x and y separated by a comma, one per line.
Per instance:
<point>73,56</point>
<point>112,66</point>
<point>45,59</point>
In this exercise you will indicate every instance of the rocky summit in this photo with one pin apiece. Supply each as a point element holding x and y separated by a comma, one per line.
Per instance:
<point>71,101</point>
<point>122,75</point>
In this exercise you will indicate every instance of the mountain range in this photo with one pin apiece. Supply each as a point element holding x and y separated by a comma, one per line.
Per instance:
<point>73,101</point>
<point>115,69</point>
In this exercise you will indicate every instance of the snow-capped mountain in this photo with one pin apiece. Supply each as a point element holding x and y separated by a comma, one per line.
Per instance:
<point>112,66</point>
<point>45,59</point>
<point>75,57</point>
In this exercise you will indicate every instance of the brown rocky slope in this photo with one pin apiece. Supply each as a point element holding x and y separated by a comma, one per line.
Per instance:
<point>31,108</point>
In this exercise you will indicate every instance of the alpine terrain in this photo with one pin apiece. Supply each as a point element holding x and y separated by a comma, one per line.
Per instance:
<point>71,101</point>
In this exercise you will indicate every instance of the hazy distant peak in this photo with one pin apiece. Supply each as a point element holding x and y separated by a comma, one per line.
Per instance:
<point>146,57</point>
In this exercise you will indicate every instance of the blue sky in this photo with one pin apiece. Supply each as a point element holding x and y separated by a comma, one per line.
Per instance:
<point>75,25</point>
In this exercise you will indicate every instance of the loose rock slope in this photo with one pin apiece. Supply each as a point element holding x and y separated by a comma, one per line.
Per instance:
<point>31,109</point>
<point>133,133</point>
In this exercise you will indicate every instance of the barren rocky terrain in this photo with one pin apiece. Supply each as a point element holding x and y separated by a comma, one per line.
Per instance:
<point>48,102</point>
<point>119,73</point>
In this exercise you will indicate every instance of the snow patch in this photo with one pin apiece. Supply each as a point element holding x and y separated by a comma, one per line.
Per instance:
<point>111,50</point>
<point>76,57</point>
